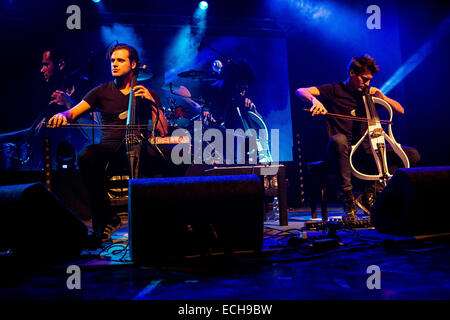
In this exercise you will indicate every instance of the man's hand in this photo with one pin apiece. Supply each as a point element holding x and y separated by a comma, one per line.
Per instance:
<point>249,104</point>
<point>141,91</point>
<point>396,106</point>
<point>317,107</point>
<point>61,99</point>
<point>208,116</point>
<point>376,93</point>
<point>58,120</point>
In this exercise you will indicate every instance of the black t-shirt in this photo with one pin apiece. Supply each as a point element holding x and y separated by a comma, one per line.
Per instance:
<point>337,98</point>
<point>113,106</point>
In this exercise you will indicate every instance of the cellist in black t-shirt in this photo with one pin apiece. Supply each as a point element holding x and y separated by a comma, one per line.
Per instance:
<point>346,98</point>
<point>111,100</point>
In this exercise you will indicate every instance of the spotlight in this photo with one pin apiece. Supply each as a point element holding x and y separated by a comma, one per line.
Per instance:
<point>203,5</point>
<point>96,1</point>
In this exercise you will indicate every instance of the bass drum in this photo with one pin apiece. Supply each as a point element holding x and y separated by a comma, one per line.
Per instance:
<point>178,119</point>
<point>13,157</point>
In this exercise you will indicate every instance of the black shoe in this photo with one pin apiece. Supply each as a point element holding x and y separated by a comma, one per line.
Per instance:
<point>349,207</point>
<point>108,231</point>
<point>365,201</point>
<point>349,216</point>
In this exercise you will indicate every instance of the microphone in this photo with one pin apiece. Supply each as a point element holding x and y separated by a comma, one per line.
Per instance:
<point>170,87</point>
<point>200,46</point>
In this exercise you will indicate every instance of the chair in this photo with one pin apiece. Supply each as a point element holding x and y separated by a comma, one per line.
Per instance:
<point>117,172</point>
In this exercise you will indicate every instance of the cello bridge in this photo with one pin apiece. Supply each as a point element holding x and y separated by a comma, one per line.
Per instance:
<point>378,132</point>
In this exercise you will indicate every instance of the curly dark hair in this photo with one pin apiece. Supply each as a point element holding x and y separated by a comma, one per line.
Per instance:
<point>363,64</point>
<point>132,53</point>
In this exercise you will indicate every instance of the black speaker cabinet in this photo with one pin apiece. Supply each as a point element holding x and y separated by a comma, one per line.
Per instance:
<point>414,202</point>
<point>36,225</point>
<point>172,218</point>
<point>272,177</point>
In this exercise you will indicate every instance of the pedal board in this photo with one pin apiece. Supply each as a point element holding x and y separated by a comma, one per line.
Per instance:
<point>362,223</point>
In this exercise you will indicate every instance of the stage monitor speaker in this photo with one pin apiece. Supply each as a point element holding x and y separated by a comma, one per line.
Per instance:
<point>173,218</point>
<point>414,202</point>
<point>36,225</point>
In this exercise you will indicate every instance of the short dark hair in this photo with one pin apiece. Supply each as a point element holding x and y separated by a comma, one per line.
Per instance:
<point>57,54</point>
<point>363,64</point>
<point>132,53</point>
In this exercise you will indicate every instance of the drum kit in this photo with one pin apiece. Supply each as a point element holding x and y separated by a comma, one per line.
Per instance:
<point>183,109</point>
<point>237,72</point>
<point>181,101</point>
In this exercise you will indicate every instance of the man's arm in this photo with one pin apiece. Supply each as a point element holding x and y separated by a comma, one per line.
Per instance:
<point>61,119</point>
<point>310,94</point>
<point>62,99</point>
<point>396,106</point>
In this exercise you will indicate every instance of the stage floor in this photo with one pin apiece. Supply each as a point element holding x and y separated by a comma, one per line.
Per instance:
<point>409,270</point>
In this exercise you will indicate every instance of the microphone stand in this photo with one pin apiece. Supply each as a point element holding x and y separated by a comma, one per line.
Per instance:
<point>203,44</point>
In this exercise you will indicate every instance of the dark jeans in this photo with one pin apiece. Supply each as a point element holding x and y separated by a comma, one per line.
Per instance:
<point>339,149</point>
<point>93,161</point>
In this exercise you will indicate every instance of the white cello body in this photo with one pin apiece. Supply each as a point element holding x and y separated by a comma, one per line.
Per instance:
<point>377,137</point>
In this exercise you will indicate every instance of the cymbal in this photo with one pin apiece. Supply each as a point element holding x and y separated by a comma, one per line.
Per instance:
<point>197,75</point>
<point>144,73</point>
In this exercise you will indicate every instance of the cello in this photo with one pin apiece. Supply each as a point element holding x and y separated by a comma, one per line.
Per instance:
<point>255,126</point>
<point>133,141</point>
<point>377,138</point>
<point>133,136</point>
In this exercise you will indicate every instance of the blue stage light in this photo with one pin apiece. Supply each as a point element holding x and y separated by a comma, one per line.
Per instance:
<point>203,5</point>
<point>418,57</point>
<point>96,1</point>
